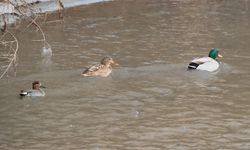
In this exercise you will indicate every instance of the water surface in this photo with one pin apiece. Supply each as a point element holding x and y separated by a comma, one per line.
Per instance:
<point>149,102</point>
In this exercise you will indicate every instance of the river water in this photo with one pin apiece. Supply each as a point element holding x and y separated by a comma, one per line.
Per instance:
<point>150,101</point>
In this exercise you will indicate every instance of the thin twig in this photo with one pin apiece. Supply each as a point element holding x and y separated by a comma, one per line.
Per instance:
<point>3,36</point>
<point>60,8</point>
<point>13,59</point>
<point>30,24</point>
<point>33,21</point>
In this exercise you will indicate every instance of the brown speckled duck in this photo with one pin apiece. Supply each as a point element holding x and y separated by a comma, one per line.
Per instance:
<point>102,69</point>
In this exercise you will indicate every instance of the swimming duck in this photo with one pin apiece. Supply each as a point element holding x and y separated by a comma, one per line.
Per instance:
<point>206,63</point>
<point>35,91</point>
<point>102,69</point>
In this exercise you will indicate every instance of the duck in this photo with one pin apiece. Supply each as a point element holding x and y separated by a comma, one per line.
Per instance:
<point>209,63</point>
<point>37,90</point>
<point>102,69</point>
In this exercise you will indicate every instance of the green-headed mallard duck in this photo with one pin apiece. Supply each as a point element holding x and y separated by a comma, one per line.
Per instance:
<point>206,63</point>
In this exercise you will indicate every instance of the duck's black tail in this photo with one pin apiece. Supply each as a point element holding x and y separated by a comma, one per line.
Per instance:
<point>23,93</point>
<point>193,65</point>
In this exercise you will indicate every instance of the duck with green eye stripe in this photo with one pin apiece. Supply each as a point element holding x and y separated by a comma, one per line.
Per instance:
<point>35,91</point>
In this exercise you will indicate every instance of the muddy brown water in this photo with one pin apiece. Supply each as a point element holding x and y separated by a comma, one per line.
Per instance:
<point>149,102</point>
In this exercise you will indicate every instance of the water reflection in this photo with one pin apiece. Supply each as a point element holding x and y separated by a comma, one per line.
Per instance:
<point>46,54</point>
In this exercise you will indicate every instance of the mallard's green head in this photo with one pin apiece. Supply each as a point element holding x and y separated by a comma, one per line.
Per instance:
<point>214,53</point>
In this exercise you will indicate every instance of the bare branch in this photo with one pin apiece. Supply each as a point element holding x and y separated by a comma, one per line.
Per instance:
<point>14,55</point>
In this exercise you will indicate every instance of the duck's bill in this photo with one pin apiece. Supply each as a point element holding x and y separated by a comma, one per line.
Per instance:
<point>219,55</point>
<point>116,64</point>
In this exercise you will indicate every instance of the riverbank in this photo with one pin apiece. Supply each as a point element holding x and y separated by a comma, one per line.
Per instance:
<point>13,10</point>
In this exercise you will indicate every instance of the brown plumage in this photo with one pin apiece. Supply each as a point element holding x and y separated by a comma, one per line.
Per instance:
<point>102,69</point>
